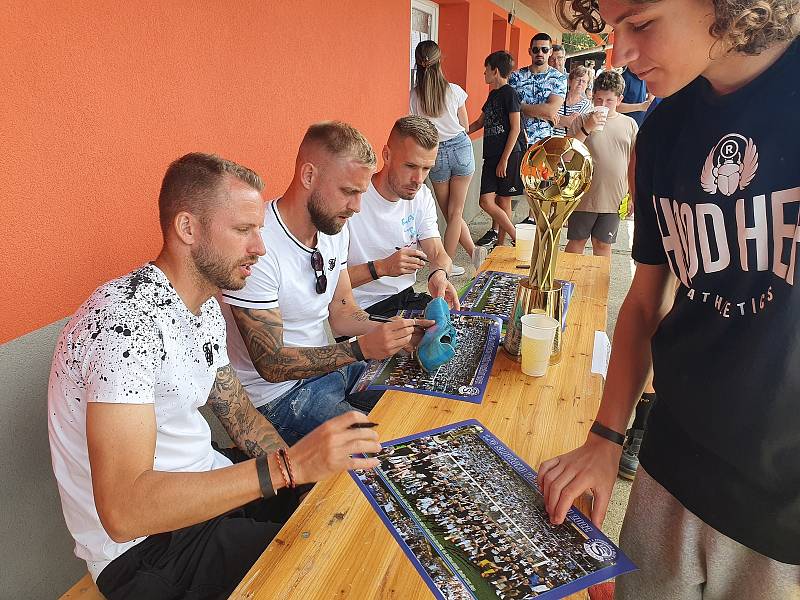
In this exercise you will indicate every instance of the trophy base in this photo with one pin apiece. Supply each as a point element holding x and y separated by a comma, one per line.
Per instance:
<point>530,300</point>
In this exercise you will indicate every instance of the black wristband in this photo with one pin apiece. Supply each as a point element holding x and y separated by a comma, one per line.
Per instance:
<point>609,434</point>
<point>264,480</point>
<point>356,348</point>
<point>432,273</point>
<point>372,270</point>
<point>583,129</point>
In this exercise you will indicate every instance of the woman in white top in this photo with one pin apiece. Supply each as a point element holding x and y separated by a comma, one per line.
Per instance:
<point>443,103</point>
<point>576,102</point>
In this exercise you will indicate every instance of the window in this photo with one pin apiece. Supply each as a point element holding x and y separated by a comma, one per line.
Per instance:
<point>424,26</point>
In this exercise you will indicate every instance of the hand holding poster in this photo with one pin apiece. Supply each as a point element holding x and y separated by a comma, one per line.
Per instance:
<point>467,513</point>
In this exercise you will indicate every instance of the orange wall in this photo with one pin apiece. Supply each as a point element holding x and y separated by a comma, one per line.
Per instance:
<point>98,97</point>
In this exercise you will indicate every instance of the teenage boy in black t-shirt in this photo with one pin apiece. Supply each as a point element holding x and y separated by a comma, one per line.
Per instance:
<point>715,508</point>
<point>503,141</point>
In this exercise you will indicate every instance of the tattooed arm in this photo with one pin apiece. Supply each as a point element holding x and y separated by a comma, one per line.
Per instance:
<point>344,315</point>
<point>252,433</point>
<point>262,332</point>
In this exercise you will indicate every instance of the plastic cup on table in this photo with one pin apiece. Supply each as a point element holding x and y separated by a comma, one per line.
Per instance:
<point>525,233</point>
<point>538,334</point>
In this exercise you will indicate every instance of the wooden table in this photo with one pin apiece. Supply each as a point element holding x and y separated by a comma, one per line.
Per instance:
<point>335,546</point>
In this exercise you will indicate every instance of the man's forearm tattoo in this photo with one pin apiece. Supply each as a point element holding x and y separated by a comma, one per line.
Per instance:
<point>251,432</point>
<point>262,332</point>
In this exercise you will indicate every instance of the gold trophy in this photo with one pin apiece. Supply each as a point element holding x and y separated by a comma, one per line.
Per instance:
<point>556,173</point>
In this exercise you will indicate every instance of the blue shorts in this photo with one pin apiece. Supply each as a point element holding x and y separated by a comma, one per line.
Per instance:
<point>455,159</point>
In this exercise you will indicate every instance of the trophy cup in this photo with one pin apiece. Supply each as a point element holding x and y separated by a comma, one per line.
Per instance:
<point>556,173</point>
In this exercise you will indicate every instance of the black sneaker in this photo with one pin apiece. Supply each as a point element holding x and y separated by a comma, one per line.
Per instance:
<point>629,461</point>
<point>487,239</point>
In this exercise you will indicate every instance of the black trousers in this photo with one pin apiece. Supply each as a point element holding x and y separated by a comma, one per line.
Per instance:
<point>405,300</point>
<point>203,561</point>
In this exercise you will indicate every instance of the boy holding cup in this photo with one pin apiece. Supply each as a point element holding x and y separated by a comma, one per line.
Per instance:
<point>610,137</point>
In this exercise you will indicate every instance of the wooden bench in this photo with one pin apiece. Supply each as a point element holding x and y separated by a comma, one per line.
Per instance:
<point>85,589</point>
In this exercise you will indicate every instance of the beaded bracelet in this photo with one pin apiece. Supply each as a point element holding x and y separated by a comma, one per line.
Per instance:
<point>284,476</point>
<point>285,457</point>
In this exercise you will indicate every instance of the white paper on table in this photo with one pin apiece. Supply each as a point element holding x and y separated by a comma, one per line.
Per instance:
<point>601,353</point>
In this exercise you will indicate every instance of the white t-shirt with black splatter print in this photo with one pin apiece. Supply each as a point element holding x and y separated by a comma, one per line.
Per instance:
<point>133,341</point>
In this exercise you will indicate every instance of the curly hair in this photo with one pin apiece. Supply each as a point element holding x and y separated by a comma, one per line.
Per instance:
<point>747,26</point>
<point>610,81</point>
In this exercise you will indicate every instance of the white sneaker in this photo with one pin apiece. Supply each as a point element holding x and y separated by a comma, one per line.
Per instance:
<point>479,255</point>
<point>457,271</point>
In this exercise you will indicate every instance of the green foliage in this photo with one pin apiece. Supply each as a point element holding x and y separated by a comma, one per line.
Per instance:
<point>574,41</point>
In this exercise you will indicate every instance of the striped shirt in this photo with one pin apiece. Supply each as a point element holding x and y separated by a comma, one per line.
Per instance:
<point>584,105</point>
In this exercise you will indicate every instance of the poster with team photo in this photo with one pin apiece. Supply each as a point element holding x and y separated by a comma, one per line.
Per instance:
<point>466,511</point>
<point>494,293</point>
<point>464,377</point>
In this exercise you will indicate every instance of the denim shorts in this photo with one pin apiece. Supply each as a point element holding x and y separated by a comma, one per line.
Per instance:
<point>455,159</point>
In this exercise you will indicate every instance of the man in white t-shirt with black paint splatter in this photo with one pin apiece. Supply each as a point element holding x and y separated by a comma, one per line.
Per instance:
<point>398,211</point>
<point>276,324</point>
<point>154,509</point>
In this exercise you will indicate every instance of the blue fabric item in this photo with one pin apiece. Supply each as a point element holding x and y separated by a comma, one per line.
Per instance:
<point>635,92</point>
<point>439,343</point>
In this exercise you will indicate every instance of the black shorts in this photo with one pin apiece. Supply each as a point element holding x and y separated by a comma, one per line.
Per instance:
<point>510,185</point>
<point>204,561</point>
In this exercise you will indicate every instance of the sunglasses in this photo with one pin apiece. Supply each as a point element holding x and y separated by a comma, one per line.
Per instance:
<point>318,264</point>
<point>537,49</point>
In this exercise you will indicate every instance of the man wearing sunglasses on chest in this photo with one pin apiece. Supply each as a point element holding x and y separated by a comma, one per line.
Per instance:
<point>276,323</point>
<point>541,89</point>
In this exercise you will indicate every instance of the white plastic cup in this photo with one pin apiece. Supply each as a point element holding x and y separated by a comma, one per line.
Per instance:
<point>538,334</point>
<point>525,233</point>
<point>603,110</point>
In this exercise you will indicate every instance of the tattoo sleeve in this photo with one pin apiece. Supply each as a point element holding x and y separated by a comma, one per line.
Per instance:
<point>252,433</point>
<point>262,332</point>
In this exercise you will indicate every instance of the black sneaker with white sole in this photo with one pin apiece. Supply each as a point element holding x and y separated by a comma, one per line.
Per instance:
<point>487,239</point>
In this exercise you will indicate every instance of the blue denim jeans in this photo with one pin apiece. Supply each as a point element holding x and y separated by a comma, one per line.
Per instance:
<point>313,401</point>
<point>454,159</point>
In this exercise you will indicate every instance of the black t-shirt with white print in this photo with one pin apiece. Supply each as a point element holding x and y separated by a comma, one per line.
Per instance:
<point>496,122</point>
<point>718,200</point>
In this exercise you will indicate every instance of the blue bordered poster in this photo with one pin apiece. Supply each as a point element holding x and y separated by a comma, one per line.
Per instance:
<point>494,293</point>
<point>464,377</point>
<point>491,293</point>
<point>467,513</point>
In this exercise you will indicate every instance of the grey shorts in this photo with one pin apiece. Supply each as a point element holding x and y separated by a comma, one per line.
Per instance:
<point>681,558</point>
<point>454,159</point>
<point>600,226</point>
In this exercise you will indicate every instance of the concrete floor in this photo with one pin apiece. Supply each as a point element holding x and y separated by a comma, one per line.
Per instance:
<point>621,276</point>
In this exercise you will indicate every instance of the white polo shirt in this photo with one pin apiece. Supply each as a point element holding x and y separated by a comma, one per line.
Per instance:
<point>133,341</point>
<point>382,226</point>
<point>283,278</point>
